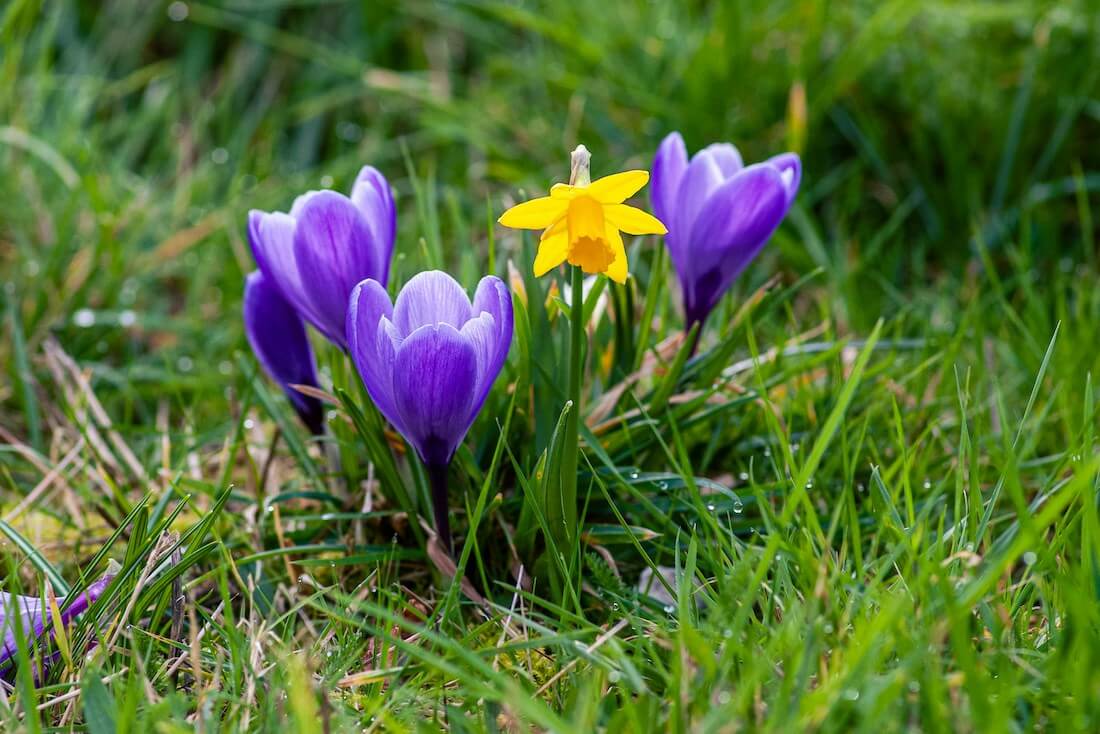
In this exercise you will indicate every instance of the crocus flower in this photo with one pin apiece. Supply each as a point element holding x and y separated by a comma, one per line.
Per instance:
<point>328,242</point>
<point>720,214</point>
<point>34,614</point>
<point>280,343</point>
<point>428,360</point>
<point>582,220</point>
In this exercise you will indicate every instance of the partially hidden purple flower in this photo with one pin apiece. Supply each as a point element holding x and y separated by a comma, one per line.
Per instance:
<point>325,245</point>
<point>428,360</point>
<point>279,340</point>
<point>719,212</point>
<point>35,616</point>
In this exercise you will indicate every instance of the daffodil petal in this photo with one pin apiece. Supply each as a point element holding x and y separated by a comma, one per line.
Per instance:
<point>617,270</point>
<point>564,191</point>
<point>618,187</point>
<point>632,220</point>
<point>552,253</point>
<point>534,214</point>
<point>558,227</point>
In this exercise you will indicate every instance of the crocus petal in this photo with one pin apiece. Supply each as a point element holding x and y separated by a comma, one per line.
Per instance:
<point>618,187</point>
<point>493,297</point>
<point>617,270</point>
<point>481,333</point>
<point>534,214</point>
<point>790,167</point>
<point>34,616</point>
<point>271,237</point>
<point>700,179</point>
<point>435,376</point>
<point>300,201</point>
<point>726,156</point>
<point>552,252</point>
<point>668,170</point>
<point>431,298</point>
<point>632,220</point>
<point>374,198</point>
<point>371,346</point>
<point>279,341</point>
<point>734,224</point>
<point>334,249</point>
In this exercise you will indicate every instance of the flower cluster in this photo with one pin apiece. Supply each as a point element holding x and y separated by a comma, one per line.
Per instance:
<point>429,357</point>
<point>427,360</point>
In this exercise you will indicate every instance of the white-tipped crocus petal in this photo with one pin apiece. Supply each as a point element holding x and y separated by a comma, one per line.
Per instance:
<point>790,167</point>
<point>429,298</point>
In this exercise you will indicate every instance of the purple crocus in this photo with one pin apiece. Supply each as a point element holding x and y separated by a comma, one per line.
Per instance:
<point>328,242</point>
<point>428,360</point>
<point>34,615</point>
<point>279,340</point>
<point>720,213</point>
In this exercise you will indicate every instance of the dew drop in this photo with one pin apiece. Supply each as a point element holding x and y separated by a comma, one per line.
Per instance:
<point>851,694</point>
<point>127,319</point>
<point>84,318</point>
<point>1030,558</point>
<point>743,476</point>
<point>219,156</point>
<point>178,11</point>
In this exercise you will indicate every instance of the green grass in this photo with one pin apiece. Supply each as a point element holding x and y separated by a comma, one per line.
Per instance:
<point>877,484</point>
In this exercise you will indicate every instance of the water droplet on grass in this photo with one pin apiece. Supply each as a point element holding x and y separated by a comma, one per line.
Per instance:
<point>127,318</point>
<point>1030,558</point>
<point>178,11</point>
<point>84,318</point>
<point>220,156</point>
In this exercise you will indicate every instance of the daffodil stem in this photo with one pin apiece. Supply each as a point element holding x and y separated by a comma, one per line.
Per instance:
<point>576,377</point>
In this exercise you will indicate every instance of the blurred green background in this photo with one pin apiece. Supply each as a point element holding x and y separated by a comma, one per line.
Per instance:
<point>135,136</point>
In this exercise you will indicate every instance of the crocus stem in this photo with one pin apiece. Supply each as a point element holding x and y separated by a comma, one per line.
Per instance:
<point>696,324</point>
<point>437,478</point>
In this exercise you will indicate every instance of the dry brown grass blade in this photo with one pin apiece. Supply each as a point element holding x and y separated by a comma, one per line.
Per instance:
<point>446,566</point>
<point>74,381</point>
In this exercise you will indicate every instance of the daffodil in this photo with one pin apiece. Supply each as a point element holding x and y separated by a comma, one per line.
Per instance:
<point>582,221</point>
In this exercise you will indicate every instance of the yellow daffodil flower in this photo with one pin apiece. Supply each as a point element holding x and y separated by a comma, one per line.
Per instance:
<point>582,220</point>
